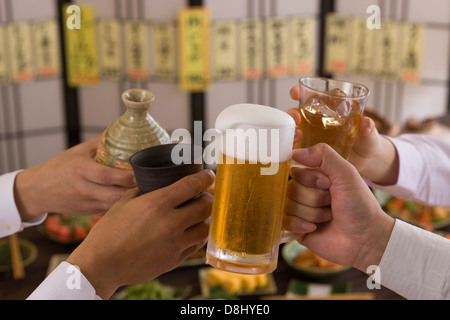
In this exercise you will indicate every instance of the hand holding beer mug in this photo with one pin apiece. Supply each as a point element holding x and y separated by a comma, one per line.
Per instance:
<point>330,112</point>
<point>252,175</point>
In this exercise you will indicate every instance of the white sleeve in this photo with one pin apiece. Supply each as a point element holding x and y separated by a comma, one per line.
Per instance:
<point>424,174</point>
<point>66,282</point>
<point>10,221</point>
<point>416,263</point>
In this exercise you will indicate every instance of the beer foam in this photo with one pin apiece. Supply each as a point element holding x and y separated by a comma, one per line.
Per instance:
<point>274,125</point>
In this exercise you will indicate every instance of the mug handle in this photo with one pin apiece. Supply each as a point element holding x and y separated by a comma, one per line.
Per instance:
<point>287,236</point>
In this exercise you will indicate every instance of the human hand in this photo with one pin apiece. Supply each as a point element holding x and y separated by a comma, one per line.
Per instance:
<point>373,155</point>
<point>334,210</point>
<point>143,236</point>
<point>72,183</point>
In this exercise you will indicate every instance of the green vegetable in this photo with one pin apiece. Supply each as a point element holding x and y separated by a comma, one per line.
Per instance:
<point>152,290</point>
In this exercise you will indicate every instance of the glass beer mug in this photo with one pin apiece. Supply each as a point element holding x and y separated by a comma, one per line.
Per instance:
<point>251,180</point>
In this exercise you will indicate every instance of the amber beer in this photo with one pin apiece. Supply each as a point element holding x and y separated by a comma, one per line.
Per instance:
<point>330,112</point>
<point>247,210</point>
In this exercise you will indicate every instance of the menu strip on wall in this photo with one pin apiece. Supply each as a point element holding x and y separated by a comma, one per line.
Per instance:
<point>361,55</point>
<point>302,45</point>
<point>110,49</point>
<point>277,38</point>
<point>164,50</point>
<point>194,49</point>
<point>136,49</point>
<point>224,50</point>
<point>21,57</point>
<point>47,48</point>
<point>337,37</point>
<point>251,49</point>
<point>4,72</point>
<point>387,51</point>
<point>81,50</point>
<point>412,52</point>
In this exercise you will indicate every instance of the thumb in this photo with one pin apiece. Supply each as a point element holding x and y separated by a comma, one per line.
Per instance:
<point>322,156</point>
<point>368,138</point>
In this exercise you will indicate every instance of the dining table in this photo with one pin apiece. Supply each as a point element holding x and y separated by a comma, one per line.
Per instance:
<point>184,276</point>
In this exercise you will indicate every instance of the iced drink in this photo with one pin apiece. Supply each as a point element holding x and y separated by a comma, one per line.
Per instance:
<point>330,112</point>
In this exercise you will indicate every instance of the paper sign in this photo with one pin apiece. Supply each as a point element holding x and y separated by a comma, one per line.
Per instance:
<point>302,46</point>
<point>164,50</point>
<point>224,47</point>
<point>387,51</point>
<point>194,48</point>
<point>412,52</point>
<point>337,34</point>
<point>21,59</point>
<point>251,49</point>
<point>361,56</point>
<point>110,49</point>
<point>47,48</point>
<point>4,72</point>
<point>277,47</point>
<point>136,44</point>
<point>81,50</point>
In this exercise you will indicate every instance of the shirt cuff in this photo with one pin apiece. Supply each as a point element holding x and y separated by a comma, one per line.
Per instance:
<point>10,221</point>
<point>66,282</point>
<point>416,263</point>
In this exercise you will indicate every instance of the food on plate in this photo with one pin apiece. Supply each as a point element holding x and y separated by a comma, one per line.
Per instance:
<point>151,290</point>
<point>308,259</point>
<point>235,282</point>
<point>417,213</point>
<point>69,229</point>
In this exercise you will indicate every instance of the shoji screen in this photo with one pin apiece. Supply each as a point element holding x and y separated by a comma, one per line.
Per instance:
<point>429,97</point>
<point>32,126</point>
<point>101,104</point>
<point>267,90</point>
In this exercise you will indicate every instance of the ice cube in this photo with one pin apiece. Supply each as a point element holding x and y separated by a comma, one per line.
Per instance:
<point>332,122</point>
<point>344,108</point>
<point>337,92</point>
<point>318,106</point>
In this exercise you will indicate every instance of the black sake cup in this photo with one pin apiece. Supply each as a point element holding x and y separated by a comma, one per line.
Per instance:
<point>154,167</point>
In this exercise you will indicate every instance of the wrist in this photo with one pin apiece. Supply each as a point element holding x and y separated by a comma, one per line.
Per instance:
<point>98,276</point>
<point>383,168</point>
<point>373,250</point>
<point>28,196</point>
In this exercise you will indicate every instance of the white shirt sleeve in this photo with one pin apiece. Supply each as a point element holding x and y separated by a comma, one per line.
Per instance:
<point>424,174</point>
<point>416,263</point>
<point>66,282</point>
<point>10,221</point>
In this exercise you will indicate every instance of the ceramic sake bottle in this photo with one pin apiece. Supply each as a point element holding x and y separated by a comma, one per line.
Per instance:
<point>133,131</point>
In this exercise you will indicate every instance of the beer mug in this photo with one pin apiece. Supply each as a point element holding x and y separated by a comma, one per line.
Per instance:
<point>251,180</point>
